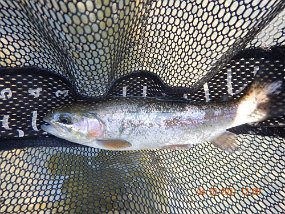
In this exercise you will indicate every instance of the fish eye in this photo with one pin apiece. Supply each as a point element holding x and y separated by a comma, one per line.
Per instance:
<point>65,119</point>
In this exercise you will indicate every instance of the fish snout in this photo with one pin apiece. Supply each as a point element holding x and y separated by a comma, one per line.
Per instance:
<point>48,118</point>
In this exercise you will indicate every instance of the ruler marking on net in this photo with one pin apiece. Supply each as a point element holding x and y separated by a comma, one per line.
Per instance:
<point>34,121</point>
<point>124,91</point>
<point>207,93</point>
<point>229,82</point>
<point>5,122</point>
<point>21,133</point>
<point>144,91</point>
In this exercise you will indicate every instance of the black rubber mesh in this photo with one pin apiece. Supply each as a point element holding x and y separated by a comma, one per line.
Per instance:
<point>199,51</point>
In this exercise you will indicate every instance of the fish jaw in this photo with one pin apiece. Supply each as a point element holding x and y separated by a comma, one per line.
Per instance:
<point>51,129</point>
<point>70,132</point>
<point>61,133</point>
<point>55,129</point>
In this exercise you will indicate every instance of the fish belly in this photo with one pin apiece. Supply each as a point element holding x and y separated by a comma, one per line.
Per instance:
<point>155,130</point>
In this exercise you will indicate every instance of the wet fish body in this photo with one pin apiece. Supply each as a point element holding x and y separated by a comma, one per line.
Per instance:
<point>154,124</point>
<point>145,123</point>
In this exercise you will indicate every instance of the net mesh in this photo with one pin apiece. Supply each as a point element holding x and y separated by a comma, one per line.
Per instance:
<point>58,52</point>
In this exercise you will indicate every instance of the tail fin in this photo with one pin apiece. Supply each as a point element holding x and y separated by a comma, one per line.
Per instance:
<point>262,101</point>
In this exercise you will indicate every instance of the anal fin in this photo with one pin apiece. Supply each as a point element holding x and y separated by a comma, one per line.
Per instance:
<point>226,141</point>
<point>113,144</point>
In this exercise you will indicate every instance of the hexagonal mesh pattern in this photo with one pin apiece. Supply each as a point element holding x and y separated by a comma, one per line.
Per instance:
<point>201,180</point>
<point>95,42</point>
<point>199,51</point>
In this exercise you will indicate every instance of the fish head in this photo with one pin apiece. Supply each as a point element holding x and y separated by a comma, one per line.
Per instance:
<point>75,126</point>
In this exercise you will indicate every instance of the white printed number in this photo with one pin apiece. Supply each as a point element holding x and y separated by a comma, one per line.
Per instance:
<point>5,122</point>
<point>35,92</point>
<point>60,93</point>
<point>6,94</point>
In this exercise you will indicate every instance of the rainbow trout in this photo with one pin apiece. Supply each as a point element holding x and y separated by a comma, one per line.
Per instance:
<point>145,123</point>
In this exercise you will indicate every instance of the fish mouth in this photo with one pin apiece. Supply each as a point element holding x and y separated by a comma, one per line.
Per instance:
<point>47,120</point>
<point>46,127</point>
<point>51,128</point>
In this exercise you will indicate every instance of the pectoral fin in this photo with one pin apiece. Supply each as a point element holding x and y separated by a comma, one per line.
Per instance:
<point>226,141</point>
<point>114,144</point>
